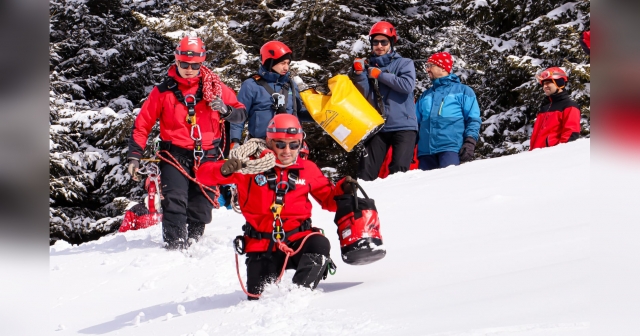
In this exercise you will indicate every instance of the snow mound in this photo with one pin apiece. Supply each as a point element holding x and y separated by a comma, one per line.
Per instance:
<point>492,247</point>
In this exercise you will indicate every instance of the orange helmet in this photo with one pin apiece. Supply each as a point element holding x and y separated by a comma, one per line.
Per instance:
<point>552,73</point>
<point>386,29</point>
<point>273,50</point>
<point>284,126</point>
<point>191,50</point>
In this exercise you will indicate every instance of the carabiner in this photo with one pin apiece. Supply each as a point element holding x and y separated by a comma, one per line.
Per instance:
<point>193,127</point>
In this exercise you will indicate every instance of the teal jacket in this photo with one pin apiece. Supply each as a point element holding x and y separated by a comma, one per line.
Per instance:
<point>447,113</point>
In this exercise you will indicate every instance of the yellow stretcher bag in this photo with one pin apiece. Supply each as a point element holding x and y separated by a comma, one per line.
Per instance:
<point>345,114</point>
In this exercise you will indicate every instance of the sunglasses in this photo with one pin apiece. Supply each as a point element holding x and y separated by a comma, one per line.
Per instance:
<point>194,66</point>
<point>283,145</point>
<point>383,42</point>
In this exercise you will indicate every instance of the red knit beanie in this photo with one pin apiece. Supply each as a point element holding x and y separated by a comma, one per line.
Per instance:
<point>442,59</point>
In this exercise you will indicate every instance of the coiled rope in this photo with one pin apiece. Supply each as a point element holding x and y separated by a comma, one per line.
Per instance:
<point>254,148</point>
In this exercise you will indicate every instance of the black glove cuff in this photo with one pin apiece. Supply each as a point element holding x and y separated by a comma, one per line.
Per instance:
<point>470,140</point>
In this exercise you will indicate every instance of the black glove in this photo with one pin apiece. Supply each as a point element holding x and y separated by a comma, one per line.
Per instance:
<point>230,166</point>
<point>348,186</point>
<point>132,168</point>
<point>468,147</point>
<point>218,105</point>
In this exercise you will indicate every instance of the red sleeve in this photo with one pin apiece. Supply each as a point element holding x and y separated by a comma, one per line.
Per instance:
<point>229,98</point>
<point>570,124</point>
<point>209,174</point>
<point>322,189</point>
<point>149,113</point>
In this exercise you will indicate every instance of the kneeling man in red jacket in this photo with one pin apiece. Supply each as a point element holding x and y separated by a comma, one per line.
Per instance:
<point>289,185</point>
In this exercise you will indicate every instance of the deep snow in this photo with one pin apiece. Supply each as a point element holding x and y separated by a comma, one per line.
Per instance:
<point>492,247</point>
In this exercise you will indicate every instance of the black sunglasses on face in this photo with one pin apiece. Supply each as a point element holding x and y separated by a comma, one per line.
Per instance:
<point>383,42</point>
<point>194,66</point>
<point>283,145</point>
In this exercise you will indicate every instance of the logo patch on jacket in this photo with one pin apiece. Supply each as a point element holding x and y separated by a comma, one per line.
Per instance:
<point>260,180</point>
<point>301,181</point>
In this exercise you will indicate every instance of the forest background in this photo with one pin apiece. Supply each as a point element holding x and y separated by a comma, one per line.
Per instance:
<point>106,56</point>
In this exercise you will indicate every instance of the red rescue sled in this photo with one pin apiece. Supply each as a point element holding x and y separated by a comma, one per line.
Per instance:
<point>144,215</point>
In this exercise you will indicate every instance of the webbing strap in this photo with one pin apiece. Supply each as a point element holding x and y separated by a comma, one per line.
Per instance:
<point>171,84</point>
<point>283,91</point>
<point>376,90</point>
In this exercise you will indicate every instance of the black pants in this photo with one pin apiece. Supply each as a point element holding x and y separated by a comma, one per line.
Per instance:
<point>402,142</point>
<point>263,269</point>
<point>185,208</point>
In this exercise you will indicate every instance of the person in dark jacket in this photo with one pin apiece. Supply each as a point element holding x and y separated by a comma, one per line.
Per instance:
<point>559,118</point>
<point>387,81</point>
<point>190,88</point>
<point>269,92</point>
<point>257,196</point>
<point>448,116</point>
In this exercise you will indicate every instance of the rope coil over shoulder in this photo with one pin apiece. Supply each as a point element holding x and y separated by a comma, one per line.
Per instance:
<point>254,147</point>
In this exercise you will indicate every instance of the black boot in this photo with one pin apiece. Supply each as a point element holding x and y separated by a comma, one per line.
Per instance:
<point>311,270</point>
<point>195,230</point>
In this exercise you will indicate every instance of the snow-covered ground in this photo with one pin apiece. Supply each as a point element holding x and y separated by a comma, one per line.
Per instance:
<point>496,247</point>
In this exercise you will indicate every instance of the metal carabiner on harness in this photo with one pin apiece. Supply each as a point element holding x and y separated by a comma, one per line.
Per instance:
<point>278,233</point>
<point>191,108</point>
<point>198,153</point>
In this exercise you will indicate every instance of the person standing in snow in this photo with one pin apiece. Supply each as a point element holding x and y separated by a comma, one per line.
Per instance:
<point>448,117</point>
<point>271,91</point>
<point>387,81</point>
<point>559,118</point>
<point>288,185</point>
<point>189,104</point>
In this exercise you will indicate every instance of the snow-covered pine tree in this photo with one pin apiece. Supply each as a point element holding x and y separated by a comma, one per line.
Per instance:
<point>101,59</point>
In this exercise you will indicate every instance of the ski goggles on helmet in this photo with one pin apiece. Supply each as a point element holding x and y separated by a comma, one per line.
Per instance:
<point>282,145</point>
<point>194,66</point>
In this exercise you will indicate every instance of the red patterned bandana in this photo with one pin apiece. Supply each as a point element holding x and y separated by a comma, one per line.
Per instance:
<point>212,86</point>
<point>442,59</point>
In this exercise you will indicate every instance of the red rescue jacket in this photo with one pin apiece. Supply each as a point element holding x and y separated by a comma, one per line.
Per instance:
<point>173,115</point>
<point>255,197</point>
<point>557,122</point>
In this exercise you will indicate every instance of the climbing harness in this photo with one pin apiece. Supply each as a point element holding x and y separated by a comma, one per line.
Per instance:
<point>278,99</point>
<point>277,236</point>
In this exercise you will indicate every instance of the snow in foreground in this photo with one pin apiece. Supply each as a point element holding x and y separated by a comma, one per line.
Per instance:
<point>493,247</point>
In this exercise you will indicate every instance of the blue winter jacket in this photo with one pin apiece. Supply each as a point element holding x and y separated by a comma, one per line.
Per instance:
<point>258,103</point>
<point>448,113</point>
<point>396,83</point>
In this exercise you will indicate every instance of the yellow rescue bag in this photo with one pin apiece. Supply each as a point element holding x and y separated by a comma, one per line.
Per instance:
<point>345,114</point>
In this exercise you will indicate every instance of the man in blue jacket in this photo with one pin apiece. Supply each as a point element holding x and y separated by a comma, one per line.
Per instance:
<point>268,93</point>
<point>387,81</point>
<point>448,117</point>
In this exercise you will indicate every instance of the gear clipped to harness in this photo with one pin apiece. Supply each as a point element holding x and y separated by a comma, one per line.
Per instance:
<point>358,229</point>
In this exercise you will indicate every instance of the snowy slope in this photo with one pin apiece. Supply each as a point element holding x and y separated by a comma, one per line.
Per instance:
<point>493,247</point>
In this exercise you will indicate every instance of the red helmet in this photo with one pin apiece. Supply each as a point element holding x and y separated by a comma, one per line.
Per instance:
<point>284,126</point>
<point>384,28</point>
<point>304,150</point>
<point>552,73</point>
<point>273,50</point>
<point>191,50</point>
